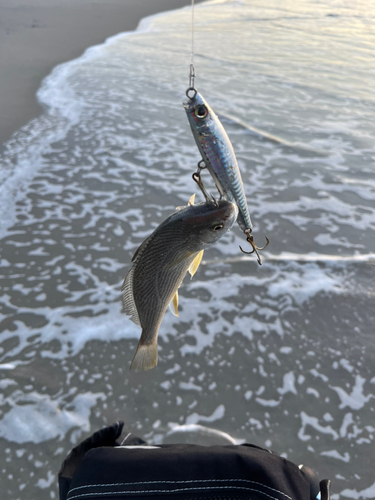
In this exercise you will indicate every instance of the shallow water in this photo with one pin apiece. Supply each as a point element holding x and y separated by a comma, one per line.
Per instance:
<point>280,355</point>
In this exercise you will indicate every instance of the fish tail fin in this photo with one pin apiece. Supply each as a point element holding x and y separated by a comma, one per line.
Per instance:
<point>146,356</point>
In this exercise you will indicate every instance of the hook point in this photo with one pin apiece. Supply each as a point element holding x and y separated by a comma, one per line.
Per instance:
<point>250,239</point>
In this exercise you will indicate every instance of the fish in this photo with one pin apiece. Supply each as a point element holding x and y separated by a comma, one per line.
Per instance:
<point>219,158</point>
<point>161,263</point>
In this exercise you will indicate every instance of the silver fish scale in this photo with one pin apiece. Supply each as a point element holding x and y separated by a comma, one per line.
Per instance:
<point>223,166</point>
<point>223,163</point>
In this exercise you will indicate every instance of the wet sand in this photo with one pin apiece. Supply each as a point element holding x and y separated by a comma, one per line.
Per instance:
<point>37,35</point>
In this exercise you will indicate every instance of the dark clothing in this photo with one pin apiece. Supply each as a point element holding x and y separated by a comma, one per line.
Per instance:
<point>101,468</point>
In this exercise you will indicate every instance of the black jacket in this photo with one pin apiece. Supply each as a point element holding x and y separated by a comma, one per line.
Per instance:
<point>100,468</point>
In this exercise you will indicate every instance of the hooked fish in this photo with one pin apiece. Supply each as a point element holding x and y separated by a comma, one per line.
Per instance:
<point>219,158</point>
<point>161,263</point>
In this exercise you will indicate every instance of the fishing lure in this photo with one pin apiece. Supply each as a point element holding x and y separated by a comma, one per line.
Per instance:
<point>219,159</point>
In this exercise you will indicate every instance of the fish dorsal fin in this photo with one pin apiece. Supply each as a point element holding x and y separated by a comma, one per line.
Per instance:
<point>128,298</point>
<point>141,247</point>
<point>191,200</point>
<point>173,305</point>
<point>195,264</point>
<point>130,308</point>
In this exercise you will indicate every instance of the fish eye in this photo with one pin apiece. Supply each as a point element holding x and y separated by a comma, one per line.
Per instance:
<point>218,227</point>
<point>201,111</point>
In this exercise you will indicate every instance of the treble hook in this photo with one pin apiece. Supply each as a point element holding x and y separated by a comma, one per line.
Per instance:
<point>250,239</point>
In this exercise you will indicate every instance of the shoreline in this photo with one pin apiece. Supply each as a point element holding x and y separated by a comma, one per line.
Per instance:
<point>36,37</point>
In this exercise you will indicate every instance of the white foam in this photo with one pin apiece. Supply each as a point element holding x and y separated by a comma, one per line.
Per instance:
<point>308,420</point>
<point>36,418</point>
<point>217,414</point>
<point>6,382</point>
<point>347,421</point>
<point>189,386</point>
<point>268,402</point>
<point>288,384</point>
<point>306,257</point>
<point>73,333</point>
<point>335,454</point>
<point>368,492</point>
<point>8,366</point>
<point>314,392</point>
<point>46,483</point>
<point>356,399</point>
<point>300,283</point>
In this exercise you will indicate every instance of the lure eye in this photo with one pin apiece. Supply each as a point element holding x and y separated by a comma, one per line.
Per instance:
<point>218,227</point>
<point>201,111</point>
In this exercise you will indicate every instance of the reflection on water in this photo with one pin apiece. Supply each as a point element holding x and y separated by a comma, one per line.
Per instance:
<point>282,355</point>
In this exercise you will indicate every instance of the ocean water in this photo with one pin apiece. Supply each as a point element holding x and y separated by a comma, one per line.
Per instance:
<point>280,355</point>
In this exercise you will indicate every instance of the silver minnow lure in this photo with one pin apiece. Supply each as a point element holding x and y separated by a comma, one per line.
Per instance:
<point>219,158</point>
<point>161,263</point>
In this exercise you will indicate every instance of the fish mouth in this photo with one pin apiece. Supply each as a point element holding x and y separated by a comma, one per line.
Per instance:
<point>226,209</point>
<point>186,104</point>
<point>231,211</point>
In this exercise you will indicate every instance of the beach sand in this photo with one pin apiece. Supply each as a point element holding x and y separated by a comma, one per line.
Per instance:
<point>37,35</point>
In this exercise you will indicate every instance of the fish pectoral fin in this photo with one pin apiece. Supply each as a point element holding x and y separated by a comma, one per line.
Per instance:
<point>195,264</point>
<point>173,305</point>
<point>186,254</point>
<point>146,356</point>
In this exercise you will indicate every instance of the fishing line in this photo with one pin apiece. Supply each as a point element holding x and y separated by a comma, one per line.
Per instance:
<point>225,171</point>
<point>192,34</point>
<point>192,69</point>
